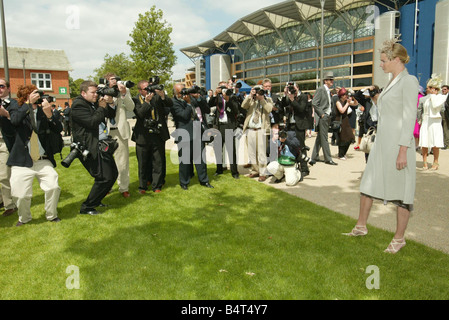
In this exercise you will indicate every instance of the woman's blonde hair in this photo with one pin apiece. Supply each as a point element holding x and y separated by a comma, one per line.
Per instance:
<point>392,49</point>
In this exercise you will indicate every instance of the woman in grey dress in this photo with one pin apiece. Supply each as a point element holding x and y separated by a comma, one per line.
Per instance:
<point>390,174</point>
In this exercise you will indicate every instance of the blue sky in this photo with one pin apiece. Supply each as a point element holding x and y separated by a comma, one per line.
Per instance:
<point>88,30</point>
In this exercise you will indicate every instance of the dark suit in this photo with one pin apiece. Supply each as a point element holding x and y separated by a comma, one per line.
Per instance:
<point>188,130</point>
<point>86,119</point>
<point>8,130</point>
<point>150,147</point>
<point>20,118</point>
<point>322,105</point>
<point>231,109</point>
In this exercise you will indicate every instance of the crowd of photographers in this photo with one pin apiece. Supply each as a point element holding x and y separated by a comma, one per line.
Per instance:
<point>271,127</point>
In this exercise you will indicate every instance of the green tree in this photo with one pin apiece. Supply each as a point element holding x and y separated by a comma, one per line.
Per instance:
<point>151,47</point>
<point>74,87</point>
<point>119,64</point>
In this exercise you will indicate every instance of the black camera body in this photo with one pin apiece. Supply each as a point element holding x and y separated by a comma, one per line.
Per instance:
<point>372,93</point>
<point>5,103</point>
<point>77,150</point>
<point>106,91</point>
<point>155,85</point>
<point>153,126</point>
<point>43,96</point>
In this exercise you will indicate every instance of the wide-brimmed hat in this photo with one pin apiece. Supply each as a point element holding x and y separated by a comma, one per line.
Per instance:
<point>328,75</point>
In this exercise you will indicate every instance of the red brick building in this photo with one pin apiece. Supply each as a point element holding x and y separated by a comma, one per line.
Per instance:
<point>47,69</point>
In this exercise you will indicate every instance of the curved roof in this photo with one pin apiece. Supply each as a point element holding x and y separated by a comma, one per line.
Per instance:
<point>272,18</point>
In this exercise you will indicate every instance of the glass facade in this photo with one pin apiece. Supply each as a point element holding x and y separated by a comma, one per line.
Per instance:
<point>294,52</point>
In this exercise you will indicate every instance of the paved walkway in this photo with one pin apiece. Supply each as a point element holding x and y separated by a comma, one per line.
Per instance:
<point>337,188</point>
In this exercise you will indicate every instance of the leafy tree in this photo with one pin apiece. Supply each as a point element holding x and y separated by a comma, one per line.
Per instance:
<point>120,64</point>
<point>74,87</point>
<point>151,47</point>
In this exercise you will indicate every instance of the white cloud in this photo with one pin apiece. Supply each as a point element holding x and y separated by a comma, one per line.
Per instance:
<point>103,27</point>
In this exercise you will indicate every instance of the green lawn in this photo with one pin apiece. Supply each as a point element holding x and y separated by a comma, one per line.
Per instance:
<point>240,240</point>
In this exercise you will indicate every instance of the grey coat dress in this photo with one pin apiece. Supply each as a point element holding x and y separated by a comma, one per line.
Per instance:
<point>396,122</point>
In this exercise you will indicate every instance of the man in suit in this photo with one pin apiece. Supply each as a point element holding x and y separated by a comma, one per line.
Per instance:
<point>297,105</point>
<point>119,129</point>
<point>7,136</point>
<point>88,128</point>
<point>66,115</point>
<point>189,124</point>
<point>277,113</point>
<point>226,111</point>
<point>257,127</point>
<point>32,153</point>
<point>150,134</point>
<point>322,104</point>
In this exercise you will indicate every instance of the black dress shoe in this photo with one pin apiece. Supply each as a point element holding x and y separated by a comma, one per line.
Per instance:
<point>312,162</point>
<point>235,176</point>
<point>184,187</point>
<point>331,163</point>
<point>304,173</point>
<point>91,212</point>
<point>217,173</point>
<point>55,220</point>
<point>18,224</point>
<point>102,205</point>
<point>207,185</point>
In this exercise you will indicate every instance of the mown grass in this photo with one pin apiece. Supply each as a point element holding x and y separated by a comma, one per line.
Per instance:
<point>240,240</point>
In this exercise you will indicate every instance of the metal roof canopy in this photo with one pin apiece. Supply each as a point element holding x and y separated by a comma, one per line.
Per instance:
<point>272,18</point>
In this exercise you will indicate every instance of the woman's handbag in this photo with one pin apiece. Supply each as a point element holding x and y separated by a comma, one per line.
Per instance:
<point>335,126</point>
<point>368,140</point>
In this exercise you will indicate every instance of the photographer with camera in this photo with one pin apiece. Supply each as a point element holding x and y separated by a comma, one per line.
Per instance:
<point>7,135</point>
<point>257,128</point>
<point>277,113</point>
<point>150,134</point>
<point>298,112</point>
<point>226,112</point>
<point>290,154</point>
<point>92,145</point>
<point>188,121</point>
<point>35,127</point>
<point>119,128</point>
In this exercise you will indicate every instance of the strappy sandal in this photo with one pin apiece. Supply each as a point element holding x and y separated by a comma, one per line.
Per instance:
<point>395,245</point>
<point>435,166</point>
<point>357,231</point>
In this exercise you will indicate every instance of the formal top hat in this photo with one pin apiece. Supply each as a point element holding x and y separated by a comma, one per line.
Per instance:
<point>328,75</point>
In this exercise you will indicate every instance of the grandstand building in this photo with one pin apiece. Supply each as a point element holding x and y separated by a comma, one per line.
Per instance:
<point>299,40</point>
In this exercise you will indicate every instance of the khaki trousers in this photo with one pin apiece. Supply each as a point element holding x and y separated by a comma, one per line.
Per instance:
<point>121,156</point>
<point>22,188</point>
<point>5,174</point>
<point>257,151</point>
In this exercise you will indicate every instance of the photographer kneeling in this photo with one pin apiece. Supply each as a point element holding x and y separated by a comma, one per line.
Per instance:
<point>289,157</point>
<point>90,134</point>
<point>32,152</point>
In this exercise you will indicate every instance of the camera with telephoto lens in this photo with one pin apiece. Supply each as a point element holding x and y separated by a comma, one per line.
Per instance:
<point>259,91</point>
<point>43,96</point>
<point>303,154</point>
<point>77,150</point>
<point>372,93</point>
<point>154,85</point>
<point>104,90</point>
<point>187,91</point>
<point>128,83</point>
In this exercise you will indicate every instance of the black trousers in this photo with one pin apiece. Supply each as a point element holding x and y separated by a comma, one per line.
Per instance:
<point>151,164</point>
<point>230,147</point>
<point>301,136</point>
<point>104,170</point>
<point>186,162</point>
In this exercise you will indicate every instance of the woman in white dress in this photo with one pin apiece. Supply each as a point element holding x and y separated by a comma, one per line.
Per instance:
<point>429,116</point>
<point>390,173</point>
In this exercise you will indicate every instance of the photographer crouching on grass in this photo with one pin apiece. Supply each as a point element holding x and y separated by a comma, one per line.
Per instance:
<point>91,142</point>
